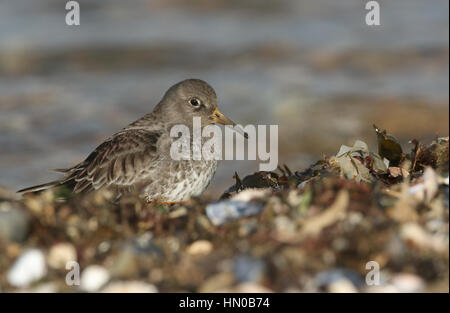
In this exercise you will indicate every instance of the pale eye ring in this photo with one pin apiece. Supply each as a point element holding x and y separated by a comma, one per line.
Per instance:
<point>195,102</point>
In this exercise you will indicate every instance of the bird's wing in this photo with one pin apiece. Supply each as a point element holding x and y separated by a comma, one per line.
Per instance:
<point>122,160</point>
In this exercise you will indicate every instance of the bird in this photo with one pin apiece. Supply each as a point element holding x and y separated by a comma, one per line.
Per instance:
<point>137,158</point>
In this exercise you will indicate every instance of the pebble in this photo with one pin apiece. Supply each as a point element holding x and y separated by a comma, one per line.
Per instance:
<point>396,247</point>
<point>60,254</point>
<point>386,288</point>
<point>227,210</point>
<point>29,267</point>
<point>45,288</point>
<point>338,279</point>
<point>125,263</point>
<point>200,247</point>
<point>177,213</point>
<point>217,282</point>
<point>144,245</point>
<point>398,283</point>
<point>93,278</point>
<point>342,285</point>
<point>129,287</point>
<point>407,283</point>
<point>248,269</point>
<point>13,223</point>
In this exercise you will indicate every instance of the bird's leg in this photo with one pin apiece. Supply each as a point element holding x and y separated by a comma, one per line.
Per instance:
<point>172,202</point>
<point>157,202</point>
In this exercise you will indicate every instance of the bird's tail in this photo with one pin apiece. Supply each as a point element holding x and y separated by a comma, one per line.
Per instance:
<point>42,186</point>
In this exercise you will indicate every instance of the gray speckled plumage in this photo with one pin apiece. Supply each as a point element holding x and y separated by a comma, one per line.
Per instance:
<point>137,158</point>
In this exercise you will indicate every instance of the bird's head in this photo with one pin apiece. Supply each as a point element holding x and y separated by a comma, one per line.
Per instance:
<point>193,98</point>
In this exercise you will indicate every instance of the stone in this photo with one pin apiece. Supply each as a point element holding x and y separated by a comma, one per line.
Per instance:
<point>49,287</point>
<point>342,285</point>
<point>28,268</point>
<point>61,253</point>
<point>93,278</point>
<point>129,287</point>
<point>200,247</point>
<point>248,269</point>
<point>339,279</point>
<point>14,223</point>
<point>217,282</point>
<point>407,283</point>
<point>227,210</point>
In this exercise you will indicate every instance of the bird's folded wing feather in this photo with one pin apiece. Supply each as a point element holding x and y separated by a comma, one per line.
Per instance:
<point>122,160</point>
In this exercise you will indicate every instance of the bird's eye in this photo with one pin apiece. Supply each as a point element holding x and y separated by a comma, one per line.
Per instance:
<point>194,102</point>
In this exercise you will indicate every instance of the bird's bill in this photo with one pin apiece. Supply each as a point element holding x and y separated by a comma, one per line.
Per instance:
<point>218,117</point>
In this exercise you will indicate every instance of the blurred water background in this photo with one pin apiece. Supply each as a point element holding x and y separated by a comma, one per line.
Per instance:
<point>312,67</point>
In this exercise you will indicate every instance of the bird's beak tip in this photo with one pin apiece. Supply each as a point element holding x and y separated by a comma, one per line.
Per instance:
<point>218,117</point>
